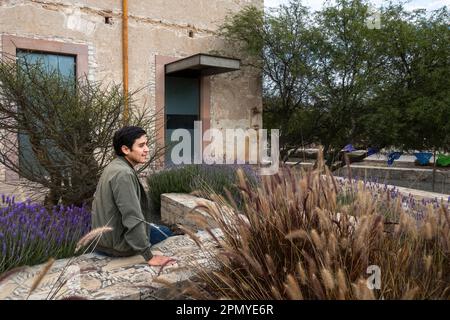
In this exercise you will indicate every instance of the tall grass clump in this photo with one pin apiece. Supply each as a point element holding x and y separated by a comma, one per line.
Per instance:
<point>202,179</point>
<point>307,236</point>
<point>30,233</point>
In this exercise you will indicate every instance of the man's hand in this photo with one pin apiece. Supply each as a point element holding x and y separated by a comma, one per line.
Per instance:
<point>161,261</point>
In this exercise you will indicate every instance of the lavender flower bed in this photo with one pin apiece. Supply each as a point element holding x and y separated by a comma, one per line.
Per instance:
<point>30,233</point>
<point>390,196</point>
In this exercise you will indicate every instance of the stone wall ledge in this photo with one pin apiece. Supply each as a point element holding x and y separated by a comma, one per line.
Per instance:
<point>177,208</point>
<point>106,278</point>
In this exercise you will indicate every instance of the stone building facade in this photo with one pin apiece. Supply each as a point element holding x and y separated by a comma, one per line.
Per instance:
<point>159,32</point>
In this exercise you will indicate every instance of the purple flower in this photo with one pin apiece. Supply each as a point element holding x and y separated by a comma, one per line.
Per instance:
<point>27,227</point>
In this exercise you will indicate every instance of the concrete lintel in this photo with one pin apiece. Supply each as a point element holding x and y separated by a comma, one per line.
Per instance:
<point>202,65</point>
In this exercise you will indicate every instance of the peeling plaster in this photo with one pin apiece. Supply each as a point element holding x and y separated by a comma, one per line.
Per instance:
<point>79,22</point>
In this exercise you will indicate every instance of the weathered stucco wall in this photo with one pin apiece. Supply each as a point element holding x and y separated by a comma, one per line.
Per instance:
<point>156,28</point>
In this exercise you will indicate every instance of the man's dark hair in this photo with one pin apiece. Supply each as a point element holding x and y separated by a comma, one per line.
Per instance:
<point>126,137</point>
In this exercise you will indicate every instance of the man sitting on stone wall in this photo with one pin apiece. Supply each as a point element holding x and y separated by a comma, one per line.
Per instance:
<point>120,202</point>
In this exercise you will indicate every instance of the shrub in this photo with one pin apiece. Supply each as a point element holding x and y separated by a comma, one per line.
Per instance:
<point>30,234</point>
<point>312,237</point>
<point>69,128</point>
<point>203,179</point>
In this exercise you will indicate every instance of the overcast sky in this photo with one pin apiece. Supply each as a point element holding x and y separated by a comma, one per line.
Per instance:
<point>413,4</point>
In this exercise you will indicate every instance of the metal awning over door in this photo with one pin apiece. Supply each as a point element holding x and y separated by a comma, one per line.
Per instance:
<point>202,65</point>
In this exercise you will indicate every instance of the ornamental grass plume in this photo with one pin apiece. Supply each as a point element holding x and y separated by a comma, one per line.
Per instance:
<point>41,276</point>
<point>311,236</point>
<point>89,237</point>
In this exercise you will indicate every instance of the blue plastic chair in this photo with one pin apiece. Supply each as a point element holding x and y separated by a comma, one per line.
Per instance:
<point>371,151</point>
<point>393,156</point>
<point>349,148</point>
<point>423,157</point>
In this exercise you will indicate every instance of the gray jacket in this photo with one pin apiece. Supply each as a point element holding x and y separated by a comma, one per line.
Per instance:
<point>120,202</point>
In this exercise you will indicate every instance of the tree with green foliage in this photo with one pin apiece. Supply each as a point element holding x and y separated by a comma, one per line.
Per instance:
<point>348,69</point>
<point>413,100</point>
<point>281,45</point>
<point>330,78</point>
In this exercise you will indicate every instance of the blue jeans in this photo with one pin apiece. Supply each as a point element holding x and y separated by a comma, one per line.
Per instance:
<point>159,233</point>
